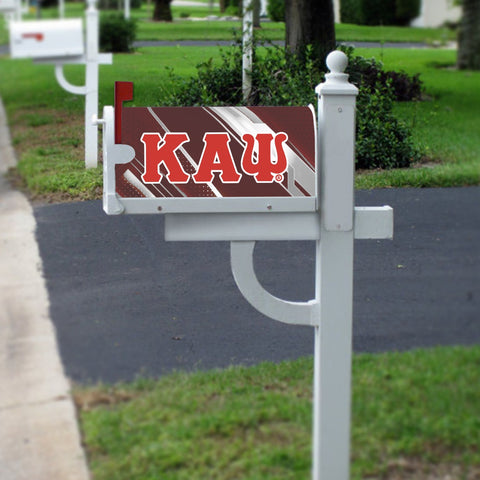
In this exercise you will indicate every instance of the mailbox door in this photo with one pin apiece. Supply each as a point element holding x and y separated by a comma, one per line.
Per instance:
<point>46,39</point>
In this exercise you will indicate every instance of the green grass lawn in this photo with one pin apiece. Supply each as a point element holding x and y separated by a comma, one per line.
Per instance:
<point>414,414</point>
<point>445,125</point>
<point>185,27</point>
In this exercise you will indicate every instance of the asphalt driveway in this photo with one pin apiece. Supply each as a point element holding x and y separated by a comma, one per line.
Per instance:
<point>125,302</point>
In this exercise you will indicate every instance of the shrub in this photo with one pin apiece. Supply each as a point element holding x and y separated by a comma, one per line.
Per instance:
<point>213,85</point>
<point>49,3</point>
<point>406,11</point>
<point>369,74</point>
<point>280,78</point>
<point>234,7</point>
<point>276,10</point>
<point>351,12</point>
<point>117,34</point>
<point>379,12</point>
<point>382,140</point>
<point>117,4</point>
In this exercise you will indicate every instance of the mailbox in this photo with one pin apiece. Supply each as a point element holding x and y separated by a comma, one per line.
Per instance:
<point>208,159</point>
<point>8,6</point>
<point>46,39</point>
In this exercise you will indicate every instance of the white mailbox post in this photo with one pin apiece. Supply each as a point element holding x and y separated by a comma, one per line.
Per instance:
<point>247,49</point>
<point>152,164</point>
<point>61,42</point>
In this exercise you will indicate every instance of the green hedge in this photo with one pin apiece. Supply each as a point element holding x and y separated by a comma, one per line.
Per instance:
<point>117,34</point>
<point>276,10</point>
<point>281,78</point>
<point>379,12</point>
<point>406,11</point>
<point>350,12</point>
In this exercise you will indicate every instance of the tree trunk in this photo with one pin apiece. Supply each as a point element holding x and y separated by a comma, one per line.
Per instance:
<point>162,12</point>
<point>469,36</point>
<point>310,22</point>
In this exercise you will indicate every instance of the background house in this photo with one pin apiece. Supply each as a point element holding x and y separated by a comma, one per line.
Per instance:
<point>433,13</point>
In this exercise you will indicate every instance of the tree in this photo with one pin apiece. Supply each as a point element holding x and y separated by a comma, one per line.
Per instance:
<point>469,36</point>
<point>310,22</point>
<point>162,11</point>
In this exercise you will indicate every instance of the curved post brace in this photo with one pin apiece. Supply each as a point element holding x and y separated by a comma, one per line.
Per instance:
<point>295,313</point>
<point>76,90</point>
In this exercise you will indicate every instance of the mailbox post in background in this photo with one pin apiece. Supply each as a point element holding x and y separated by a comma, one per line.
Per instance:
<point>61,42</point>
<point>305,199</point>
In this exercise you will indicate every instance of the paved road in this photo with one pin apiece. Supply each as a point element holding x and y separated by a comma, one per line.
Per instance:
<point>125,302</point>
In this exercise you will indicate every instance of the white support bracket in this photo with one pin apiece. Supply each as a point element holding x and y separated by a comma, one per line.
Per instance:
<point>65,84</point>
<point>295,313</point>
<point>90,90</point>
<point>242,230</point>
<point>370,223</point>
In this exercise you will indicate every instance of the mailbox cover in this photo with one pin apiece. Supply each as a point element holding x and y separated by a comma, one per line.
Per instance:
<point>217,158</point>
<point>46,39</point>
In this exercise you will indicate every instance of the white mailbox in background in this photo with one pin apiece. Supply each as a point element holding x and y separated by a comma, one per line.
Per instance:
<point>62,42</point>
<point>44,39</point>
<point>12,9</point>
<point>8,6</point>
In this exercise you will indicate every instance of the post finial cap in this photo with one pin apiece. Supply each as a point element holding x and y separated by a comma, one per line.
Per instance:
<point>337,61</point>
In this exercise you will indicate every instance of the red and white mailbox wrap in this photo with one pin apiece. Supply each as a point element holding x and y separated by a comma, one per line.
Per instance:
<point>207,159</point>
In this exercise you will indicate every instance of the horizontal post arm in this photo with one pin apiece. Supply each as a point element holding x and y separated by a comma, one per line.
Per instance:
<point>369,223</point>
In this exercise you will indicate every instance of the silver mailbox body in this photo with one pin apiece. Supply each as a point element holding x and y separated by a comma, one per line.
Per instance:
<point>46,38</point>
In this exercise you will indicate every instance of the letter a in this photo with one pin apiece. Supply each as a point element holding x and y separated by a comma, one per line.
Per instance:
<point>156,154</point>
<point>216,157</point>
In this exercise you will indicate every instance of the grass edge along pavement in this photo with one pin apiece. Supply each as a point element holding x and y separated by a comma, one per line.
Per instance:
<point>415,415</point>
<point>49,138</point>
